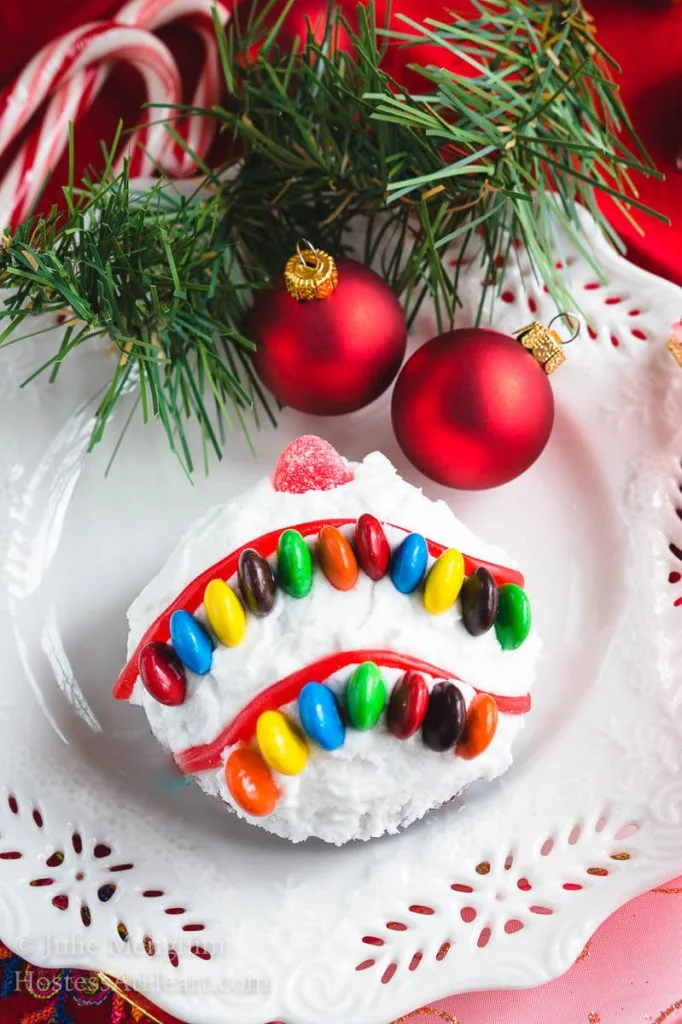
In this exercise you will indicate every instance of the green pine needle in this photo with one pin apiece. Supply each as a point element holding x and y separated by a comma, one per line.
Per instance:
<point>149,276</point>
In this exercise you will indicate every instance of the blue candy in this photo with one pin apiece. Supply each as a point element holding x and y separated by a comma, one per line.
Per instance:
<point>191,642</point>
<point>409,563</point>
<point>320,716</point>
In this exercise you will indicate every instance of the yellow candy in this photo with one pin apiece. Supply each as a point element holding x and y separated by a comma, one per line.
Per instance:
<point>444,582</point>
<point>281,743</point>
<point>225,613</point>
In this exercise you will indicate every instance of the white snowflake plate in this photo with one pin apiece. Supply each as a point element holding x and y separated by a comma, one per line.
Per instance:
<point>108,862</point>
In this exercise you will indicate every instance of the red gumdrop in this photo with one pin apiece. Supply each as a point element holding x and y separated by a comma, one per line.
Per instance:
<point>310,464</point>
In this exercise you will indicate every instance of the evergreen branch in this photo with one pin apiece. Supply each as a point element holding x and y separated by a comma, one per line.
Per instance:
<point>149,272</point>
<point>326,141</point>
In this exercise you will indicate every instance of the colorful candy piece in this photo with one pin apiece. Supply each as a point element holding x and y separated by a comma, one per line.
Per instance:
<point>479,599</point>
<point>319,712</point>
<point>480,727</point>
<point>281,743</point>
<point>250,782</point>
<point>445,717</point>
<point>295,564</point>
<point>256,582</point>
<point>337,558</point>
<point>444,582</point>
<point>310,464</point>
<point>408,563</point>
<point>372,547</point>
<point>513,621</point>
<point>191,642</point>
<point>225,613</point>
<point>162,673</point>
<point>365,696</point>
<point>407,706</point>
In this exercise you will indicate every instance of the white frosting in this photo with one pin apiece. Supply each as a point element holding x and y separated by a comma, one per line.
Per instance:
<point>374,783</point>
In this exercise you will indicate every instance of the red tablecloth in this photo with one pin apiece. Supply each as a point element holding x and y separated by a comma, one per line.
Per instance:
<point>630,972</point>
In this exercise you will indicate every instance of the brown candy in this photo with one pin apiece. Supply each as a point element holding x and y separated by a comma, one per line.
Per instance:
<point>479,596</point>
<point>445,717</point>
<point>256,582</point>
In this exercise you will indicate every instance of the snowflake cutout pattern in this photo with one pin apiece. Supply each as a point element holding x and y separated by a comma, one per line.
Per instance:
<point>86,875</point>
<point>496,899</point>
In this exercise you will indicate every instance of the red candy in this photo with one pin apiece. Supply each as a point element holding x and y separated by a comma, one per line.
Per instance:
<point>310,464</point>
<point>408,704</point>
<point>162,673</point>
<point>371,547</point>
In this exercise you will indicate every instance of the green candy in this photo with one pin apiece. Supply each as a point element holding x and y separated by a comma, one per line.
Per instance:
<point>294,564</point>
<point>365,696</point>
<point>512,624</point>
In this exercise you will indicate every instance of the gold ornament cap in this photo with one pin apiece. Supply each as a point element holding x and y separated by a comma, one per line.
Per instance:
<point>544,344</point>
<point>674,343</point>
<point>310,273</point>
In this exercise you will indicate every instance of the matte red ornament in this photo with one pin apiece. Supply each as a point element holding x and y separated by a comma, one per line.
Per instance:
<point>333,355</point>
<point>303,15</point>
<point>472,408</point>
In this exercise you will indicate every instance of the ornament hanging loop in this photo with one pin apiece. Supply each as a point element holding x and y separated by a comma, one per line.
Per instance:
<point>307,253</point>
<point>310,273</point>
<point>570,318</point>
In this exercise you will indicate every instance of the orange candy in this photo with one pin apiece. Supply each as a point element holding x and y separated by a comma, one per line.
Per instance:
<point>337,558</point>
<point>479,728</point>
<point>250,782</point>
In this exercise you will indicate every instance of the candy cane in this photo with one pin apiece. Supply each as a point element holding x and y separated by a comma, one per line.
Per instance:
<point>197,131</point>
<point>41,153</point>
<point>57,64</point>
<point>25,177</point>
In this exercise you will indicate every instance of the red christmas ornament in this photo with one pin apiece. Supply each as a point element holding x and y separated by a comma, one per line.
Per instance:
<point>329,340</point>
<point>301,16</point>
<point>473,408</point>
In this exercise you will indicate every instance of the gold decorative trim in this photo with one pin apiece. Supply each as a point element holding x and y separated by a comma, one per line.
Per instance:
<point>310,273</point>
<point>544,345</point>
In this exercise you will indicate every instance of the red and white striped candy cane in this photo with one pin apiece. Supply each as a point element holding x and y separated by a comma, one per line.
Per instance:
<point>52,69</point>
<point>198,132</point>
<point>42,152</point>
<point>26,176</point>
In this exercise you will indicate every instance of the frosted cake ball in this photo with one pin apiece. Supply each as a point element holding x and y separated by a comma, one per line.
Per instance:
<point>332,653</point>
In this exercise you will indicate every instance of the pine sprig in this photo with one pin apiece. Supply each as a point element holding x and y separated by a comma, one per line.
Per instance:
<point>528,135</point>
<point>151,273</point>
<point>328,146</point>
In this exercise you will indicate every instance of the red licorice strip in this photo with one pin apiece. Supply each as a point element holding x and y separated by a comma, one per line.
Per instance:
<point>241,728</point>
<point>266,545</point>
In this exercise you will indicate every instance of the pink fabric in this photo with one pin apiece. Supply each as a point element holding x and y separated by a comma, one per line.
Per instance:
<point>629,973</point>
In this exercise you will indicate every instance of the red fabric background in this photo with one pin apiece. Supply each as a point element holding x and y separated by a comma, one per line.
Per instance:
<point>644,35</point>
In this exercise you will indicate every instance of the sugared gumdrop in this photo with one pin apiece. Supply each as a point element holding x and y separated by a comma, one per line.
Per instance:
<point>310,464</point>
